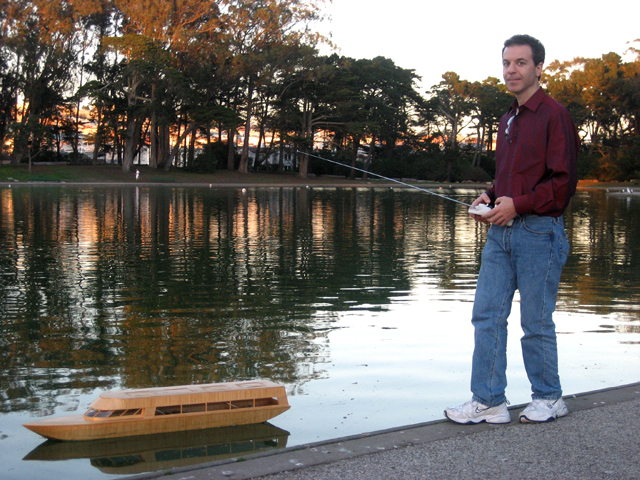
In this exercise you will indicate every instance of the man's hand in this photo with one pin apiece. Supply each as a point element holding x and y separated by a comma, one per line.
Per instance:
<point>484,198</point>
<point>503,212</point>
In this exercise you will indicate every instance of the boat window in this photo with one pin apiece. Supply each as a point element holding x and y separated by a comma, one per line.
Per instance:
<point>242,404</point>
<point>132,411</point>
<point>198,407</point>
<point>263,402</point>
<point>170,410</point>
<point>217,406</point>
<point>93,412</point>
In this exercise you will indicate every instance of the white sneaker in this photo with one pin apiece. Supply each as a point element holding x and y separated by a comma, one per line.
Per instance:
<point>475,412</point>
<point>543,411</point>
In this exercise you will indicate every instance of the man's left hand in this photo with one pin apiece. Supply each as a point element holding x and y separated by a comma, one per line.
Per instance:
<point>503,212</point>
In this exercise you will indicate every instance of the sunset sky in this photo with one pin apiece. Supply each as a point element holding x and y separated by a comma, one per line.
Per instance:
<point>466,36</point>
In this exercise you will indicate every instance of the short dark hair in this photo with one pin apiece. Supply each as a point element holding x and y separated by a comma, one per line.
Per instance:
<point>537,49</point>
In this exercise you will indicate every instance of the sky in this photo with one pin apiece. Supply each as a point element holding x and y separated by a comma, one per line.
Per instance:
<point>466,36</point>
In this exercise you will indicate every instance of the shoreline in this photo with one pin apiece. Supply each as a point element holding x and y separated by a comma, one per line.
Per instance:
<point>441,449</point>
<point>112,175</point>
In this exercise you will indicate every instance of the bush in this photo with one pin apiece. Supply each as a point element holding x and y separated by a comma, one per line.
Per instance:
<point>629,160</point>
<point>475,175</point>
<point>402,162</point>
<point>80,159</point>
<point>212,155</point>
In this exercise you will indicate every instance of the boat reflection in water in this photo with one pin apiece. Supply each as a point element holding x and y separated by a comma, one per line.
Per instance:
<point>148,453</point>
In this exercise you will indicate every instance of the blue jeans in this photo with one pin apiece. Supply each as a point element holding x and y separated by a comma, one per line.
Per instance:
<point>529,257</point>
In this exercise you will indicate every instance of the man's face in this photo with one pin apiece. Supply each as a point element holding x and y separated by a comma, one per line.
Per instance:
<point>519,72</point>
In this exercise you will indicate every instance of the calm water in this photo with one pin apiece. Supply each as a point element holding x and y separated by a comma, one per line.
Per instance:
<point>358,300</point>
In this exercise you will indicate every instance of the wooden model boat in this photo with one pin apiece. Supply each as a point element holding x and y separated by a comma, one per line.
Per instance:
<point>145,411</point>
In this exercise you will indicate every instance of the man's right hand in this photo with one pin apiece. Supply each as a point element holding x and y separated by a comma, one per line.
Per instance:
<point>484,198</point>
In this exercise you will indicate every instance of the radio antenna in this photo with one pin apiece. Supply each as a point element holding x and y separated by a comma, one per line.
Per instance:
<point>387,178</point>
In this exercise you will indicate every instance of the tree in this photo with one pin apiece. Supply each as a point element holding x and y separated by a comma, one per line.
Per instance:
<point>308,103</point>
<point>373,102</point>
<point>454,106</point>
<point>38,49</point>
<point>490,101</point>
<point>153,38</point>
<point>257,29</point>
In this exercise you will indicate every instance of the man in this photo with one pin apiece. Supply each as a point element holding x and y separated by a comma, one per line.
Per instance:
<point>526,246</point>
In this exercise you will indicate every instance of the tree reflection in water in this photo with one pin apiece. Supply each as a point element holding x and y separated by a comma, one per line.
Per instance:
<point>146,286</point>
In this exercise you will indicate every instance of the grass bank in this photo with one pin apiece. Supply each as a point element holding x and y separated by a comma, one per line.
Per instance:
<point>113,174</point>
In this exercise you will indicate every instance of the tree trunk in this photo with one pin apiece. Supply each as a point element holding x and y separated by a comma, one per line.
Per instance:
<point>304,165</point>
<point>307,129</point>
<point>354,156</point>
<point>98,138</point>
<point>134,128</point>
<point>176,150</point>
<point>192,147</point>
<point>369,160</point>
<point>478,150</point>
<point>133,125</point>
<point>244,159</point>
<point>153,140</point>
<point>281,156</point>
<point>231,152</point>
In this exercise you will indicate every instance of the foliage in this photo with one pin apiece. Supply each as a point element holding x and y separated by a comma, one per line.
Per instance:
<point>213,155</point>
<point>165,75</point>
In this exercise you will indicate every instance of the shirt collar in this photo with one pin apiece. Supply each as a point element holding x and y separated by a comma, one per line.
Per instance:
<point>533,103</point>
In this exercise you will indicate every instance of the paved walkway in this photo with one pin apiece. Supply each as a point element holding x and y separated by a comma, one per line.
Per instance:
<point>599,439</point>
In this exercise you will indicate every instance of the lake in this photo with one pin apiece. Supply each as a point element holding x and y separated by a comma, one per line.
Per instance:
<point>358,300</point>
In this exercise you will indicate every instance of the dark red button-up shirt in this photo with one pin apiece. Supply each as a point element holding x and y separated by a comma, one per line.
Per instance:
<point>536,162</point>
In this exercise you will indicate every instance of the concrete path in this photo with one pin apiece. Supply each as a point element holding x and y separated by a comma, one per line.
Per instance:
<point>599,439</point>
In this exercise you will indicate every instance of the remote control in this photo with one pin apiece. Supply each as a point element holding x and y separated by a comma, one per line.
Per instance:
<point>480,209</point>
<point>483,208</point>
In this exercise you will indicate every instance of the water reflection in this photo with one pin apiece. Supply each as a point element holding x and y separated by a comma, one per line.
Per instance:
<point>131,287</point>
<point>132,455</point>
<point>601,275</point>
<point>135,287</point>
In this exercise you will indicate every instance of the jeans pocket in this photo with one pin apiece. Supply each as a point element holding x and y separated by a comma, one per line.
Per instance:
<point>538,225</point>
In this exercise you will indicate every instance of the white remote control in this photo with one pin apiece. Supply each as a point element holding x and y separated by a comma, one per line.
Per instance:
<point>483,208</point>
<point>480,209</point>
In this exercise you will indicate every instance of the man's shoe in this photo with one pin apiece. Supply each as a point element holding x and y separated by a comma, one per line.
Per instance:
<point>475,412</point>
<point>543,411</point>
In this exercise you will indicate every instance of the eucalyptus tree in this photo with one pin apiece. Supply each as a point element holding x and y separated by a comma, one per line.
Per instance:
<point>601,81</point>
<point>390,100</point>
<point>255,29</point>
<point>103,71</point>
<point>310,103</point>
<point>602,95</point>
<point>152,39</point>
<point>277,78</point>
<point>490,100</point>
<point>38,53</point>
<point>454,106</point>
<point>8,79</point>
<point>375,101</point>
